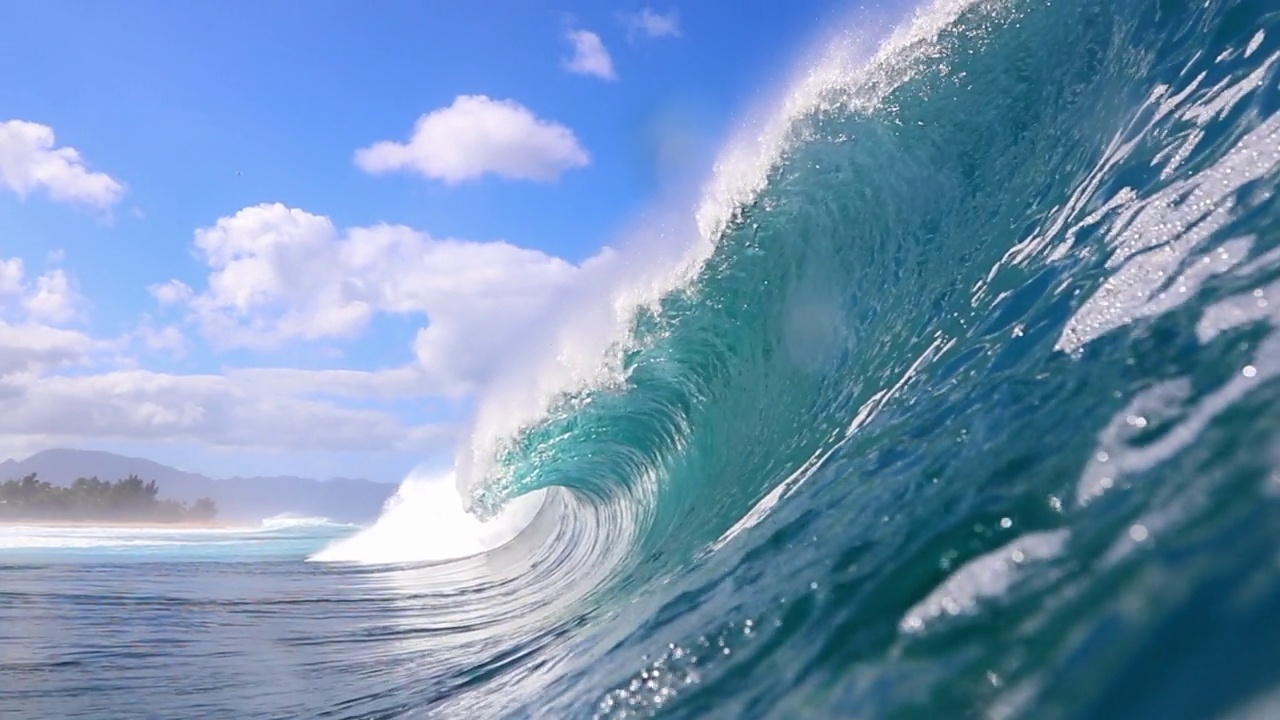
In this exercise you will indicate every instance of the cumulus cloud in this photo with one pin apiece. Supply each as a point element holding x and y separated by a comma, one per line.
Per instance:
<point>279,274</point>
<point>213,410</point>
<point>476,136</point>
<point>652,24</point>
<point>11,274</point>
<point>29,344</point>
<point>275,275</point>
<point>169,293</point>
<point>30,160</point>
<point>54,299</point>
<point>255,409</point>
<point>61,387</point>
<point>50,298</point>
<point>589,56</point>
<point>390,384</point>
<point>31,348</point>
<point>168,339</point>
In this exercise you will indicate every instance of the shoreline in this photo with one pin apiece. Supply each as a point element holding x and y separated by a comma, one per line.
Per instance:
<point>126,524</point>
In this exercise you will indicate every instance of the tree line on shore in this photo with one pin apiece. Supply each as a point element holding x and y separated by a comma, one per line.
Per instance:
<point>91,499</point>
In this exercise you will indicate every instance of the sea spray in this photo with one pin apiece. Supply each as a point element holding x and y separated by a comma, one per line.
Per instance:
<point>427,521</point>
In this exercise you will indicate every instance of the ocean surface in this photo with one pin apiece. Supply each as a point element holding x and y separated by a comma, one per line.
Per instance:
<point>957,395</point>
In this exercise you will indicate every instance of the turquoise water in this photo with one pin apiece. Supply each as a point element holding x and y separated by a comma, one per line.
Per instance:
<point>964,404</point>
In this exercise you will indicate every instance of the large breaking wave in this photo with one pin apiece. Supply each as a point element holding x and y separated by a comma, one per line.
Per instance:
<point>936,324</point>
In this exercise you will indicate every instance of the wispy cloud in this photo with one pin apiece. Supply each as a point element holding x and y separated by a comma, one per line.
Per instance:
<point>30,161</point>
<point>478,135</point>
<point>649,23</point>
<point>590,57</point>
<point>168,339</point>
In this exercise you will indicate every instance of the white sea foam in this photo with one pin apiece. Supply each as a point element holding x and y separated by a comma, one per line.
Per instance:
<point>986,576</point>
<point>31,537</point>
<point>426,521</point>
<point>107,537</point>
<point>286,521</point>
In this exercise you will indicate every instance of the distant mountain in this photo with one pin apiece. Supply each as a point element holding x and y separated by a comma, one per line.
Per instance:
<point>238,499</point>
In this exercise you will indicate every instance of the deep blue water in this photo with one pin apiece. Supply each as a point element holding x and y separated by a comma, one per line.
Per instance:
<point>963,404</point>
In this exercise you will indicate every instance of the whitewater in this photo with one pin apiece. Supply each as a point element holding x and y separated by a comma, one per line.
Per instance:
<point>952,393</point>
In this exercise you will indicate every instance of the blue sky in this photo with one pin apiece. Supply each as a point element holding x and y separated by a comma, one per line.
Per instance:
<point>205,205</point>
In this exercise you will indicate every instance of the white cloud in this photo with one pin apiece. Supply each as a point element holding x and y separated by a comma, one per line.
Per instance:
<point>28,343</point>
<point>280,274</point>
<point>390,384</point>
<point>168,339</point>
<point>213,410</point>
<point>169,293</point>
<point>589,56</point>
<point>478,135</point>
<point>61,387</point>
<point>11,274</point>
<point>275,274</point>
<point>29,348</point>
<point>54,299</point>
<point>255,409</point>
<point>29,160</point>
<point>653,24</point>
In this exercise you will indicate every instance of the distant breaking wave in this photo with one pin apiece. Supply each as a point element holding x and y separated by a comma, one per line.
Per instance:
<point>84,536</point>
<point>290,520</point>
